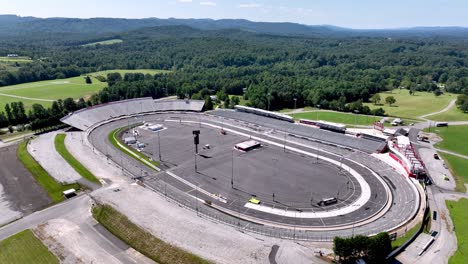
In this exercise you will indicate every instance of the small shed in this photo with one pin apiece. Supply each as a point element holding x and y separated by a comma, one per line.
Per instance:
<point>130,140</point>
<point>69,193</point>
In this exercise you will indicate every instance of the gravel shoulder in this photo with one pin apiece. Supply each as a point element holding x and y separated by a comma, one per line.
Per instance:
<point>43,150</point>
<point>207,239</point>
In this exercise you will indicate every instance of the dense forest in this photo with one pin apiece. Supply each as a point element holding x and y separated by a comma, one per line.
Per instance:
<point>269,70</point>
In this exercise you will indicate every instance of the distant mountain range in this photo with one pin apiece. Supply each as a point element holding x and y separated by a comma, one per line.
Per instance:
<point>12,25</point>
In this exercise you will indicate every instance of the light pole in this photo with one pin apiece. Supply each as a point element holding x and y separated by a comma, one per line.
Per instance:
<point>196,198</point>
<point>356,112</point>
<point>268,98</point>
<point>196,141</point>
<point>318,106</point>
<point>295,101</point>
<point>284,142</point>
<point>232,170</point>
<point>159,147</point>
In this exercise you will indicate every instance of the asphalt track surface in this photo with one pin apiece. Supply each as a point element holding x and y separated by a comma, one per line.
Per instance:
<point>295,179</point>
<point>20,188</point>
<point>401,210</point>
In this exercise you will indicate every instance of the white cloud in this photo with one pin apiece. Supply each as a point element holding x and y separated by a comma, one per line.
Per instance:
<point>208,3</point>
<point>185,1</point>
<point>250,5</point>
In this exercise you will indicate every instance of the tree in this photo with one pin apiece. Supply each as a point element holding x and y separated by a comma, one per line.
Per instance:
<point>88,80</point>
<point>3,120</point>
<point>69,105</point>
<point>378,111</point>
<point>227,103</point>
<point>208,103</point>
<point>462,102</point>
<point>390,100</point>
<point>375,99</point>
<point>379,247</point>
<point>113,78</point>
<point>235,101</point>
<point>8,113</point>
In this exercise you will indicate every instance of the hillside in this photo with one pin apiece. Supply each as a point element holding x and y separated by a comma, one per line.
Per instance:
<point>11,25</point>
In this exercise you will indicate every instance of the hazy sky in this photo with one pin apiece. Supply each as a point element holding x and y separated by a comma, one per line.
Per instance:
<point>346,13</point>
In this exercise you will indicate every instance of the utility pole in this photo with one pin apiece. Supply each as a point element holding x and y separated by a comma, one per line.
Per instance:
<point>284,143</point>
<point>232,170</point>
<point>159,147</point>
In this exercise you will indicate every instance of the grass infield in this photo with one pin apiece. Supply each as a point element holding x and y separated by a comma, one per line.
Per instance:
<point>459,214</point>
<point>117,143</point>
<point>52,187</point>
<point>24,247</point>
<point>338,117</point>
<point>76,165</point>
<point>142,241</point>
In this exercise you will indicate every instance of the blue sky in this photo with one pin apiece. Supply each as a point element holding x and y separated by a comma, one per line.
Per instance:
<point>345,13</point>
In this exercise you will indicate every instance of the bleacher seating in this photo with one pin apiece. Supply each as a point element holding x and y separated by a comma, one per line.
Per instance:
<point>88,117</point>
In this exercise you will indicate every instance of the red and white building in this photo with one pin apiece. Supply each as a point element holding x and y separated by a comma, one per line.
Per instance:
<point>402,151</point>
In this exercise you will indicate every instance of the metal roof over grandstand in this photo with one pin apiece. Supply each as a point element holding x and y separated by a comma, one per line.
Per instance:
<point>366,145</point>
<point>88,117</point>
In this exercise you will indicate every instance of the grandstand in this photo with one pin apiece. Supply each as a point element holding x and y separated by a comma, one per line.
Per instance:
<point>86,118</point>
<point>297,130</point>
<point>402,150</point>
<point>263,113</point>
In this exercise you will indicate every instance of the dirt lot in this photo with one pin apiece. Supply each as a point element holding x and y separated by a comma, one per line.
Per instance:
<point>20,188</point>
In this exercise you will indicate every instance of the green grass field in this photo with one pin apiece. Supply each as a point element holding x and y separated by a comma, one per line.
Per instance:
<point>399,241</point>
<point>453,114</point>
<point>459,213</point>
<point>16,59</point>
<point>122,72</point>
<point>114,139</point>
<point>52,187</point>
<point>459,168</point>
<point>142,241</point>
<point>338,117</point>
<point>105,42</point>
<point>24,247</point>
<point>44,92</point>
<point>76,165</point>
<point>455,138</point>
<point>412,106</point>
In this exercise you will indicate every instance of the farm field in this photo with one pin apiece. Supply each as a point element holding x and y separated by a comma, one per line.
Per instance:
<point>24,247</point>
<point>16,59</point>
<point>122,72</point>
<point>413,106</point>
<point>453,114</point>
<point>338,117</point>
<point>459,213</point>
<point>45,92</point>
<point>454,138</point>
<point>104,42</point>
